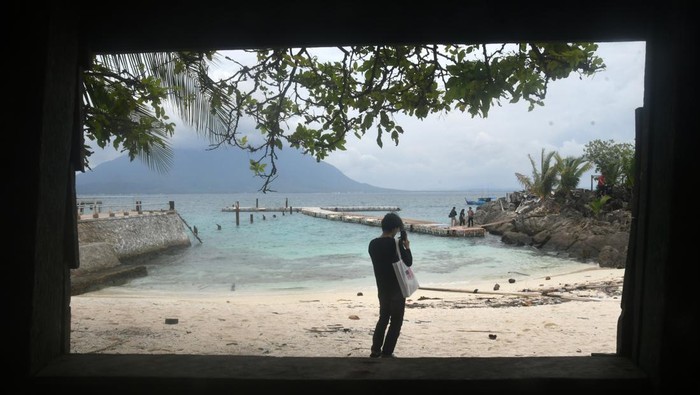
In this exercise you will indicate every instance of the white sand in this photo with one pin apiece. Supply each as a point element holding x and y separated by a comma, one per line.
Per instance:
<point>337,324</point>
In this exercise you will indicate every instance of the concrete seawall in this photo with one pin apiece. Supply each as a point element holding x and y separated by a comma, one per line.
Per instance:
<point>108,245</point>
<point>137,235</point>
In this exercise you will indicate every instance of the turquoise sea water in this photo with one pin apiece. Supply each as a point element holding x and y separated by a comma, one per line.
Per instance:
<point>296,252</point>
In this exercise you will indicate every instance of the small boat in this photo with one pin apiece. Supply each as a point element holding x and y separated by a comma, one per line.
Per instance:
<point>478,201</point>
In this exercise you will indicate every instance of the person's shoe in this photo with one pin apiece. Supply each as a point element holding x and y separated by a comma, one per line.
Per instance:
<point>389,356</point>
<point>375,355</point>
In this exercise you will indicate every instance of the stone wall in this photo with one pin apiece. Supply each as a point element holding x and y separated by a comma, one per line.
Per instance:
<point>95,257</point>
<point>136,235</point>
<point>109,246</point>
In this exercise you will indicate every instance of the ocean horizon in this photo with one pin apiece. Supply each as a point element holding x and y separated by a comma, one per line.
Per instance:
<point>283,252</point>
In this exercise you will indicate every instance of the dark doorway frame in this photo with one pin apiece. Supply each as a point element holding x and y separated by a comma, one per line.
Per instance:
<point>656,331</point>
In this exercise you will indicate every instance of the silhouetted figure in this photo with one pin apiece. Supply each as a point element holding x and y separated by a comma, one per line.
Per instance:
<point>453,217</point>
<point>218,227</point>
<point>384,250</point>
<point>195,231</point>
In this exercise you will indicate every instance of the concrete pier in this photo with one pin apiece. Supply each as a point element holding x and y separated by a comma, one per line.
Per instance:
<point>412,225</point>
<point>298,209</point>
<point>350,214</point>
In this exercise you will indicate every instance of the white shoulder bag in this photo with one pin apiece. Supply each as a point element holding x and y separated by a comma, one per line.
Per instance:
<point>407,279</point>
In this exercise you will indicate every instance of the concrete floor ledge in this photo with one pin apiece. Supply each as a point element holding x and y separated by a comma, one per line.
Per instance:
<point>97,373</point>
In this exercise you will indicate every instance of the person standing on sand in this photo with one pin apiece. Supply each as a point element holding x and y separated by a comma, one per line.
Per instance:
<point>470,217</point>
<point>453,217</point>
<point>392,303</point>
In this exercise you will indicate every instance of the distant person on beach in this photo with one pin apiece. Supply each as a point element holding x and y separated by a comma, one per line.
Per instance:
<point>392,303</point>
<point>453,217</point>
<point>470,217</point>
<point>601,185</point>
<point>462,221</point>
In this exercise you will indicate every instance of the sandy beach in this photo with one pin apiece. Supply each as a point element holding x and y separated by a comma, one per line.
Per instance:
<point>561,315</point>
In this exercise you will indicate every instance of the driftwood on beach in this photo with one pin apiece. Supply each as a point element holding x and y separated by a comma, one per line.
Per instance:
<point>476,291</point>
<point>554,292</point>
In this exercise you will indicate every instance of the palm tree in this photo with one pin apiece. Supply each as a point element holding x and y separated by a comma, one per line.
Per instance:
<point>126,98</point>
<point>543,178</point>
<point>570,171</point>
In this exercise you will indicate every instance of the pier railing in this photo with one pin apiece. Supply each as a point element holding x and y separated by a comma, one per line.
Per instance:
<point>113,206</point>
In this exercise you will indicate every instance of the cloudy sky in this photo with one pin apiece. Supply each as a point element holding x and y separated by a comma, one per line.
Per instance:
<point>456,152</point>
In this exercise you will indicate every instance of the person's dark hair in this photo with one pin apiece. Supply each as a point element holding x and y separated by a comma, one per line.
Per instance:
<point>391,221</point>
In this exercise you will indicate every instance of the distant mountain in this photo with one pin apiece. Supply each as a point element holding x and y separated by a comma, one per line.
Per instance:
<point>218,171</point>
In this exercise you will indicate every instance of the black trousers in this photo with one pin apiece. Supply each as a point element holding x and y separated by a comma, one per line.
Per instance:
<point>391,310</point>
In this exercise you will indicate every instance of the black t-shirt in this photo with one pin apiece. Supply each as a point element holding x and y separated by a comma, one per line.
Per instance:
<point>382,250</point>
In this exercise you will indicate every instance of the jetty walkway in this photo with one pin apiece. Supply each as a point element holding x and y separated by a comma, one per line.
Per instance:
<point>411,225</point>
<point>299,209</point>
<point>351,214</point>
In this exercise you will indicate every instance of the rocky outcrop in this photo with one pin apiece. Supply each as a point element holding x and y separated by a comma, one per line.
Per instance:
<point>566,225</point>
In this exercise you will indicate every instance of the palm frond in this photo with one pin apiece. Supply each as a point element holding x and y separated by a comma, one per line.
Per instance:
<point>190,90</point>
<point>159,158</point>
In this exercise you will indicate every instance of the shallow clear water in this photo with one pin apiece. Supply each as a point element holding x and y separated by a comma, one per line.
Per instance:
<point>287,252</point>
